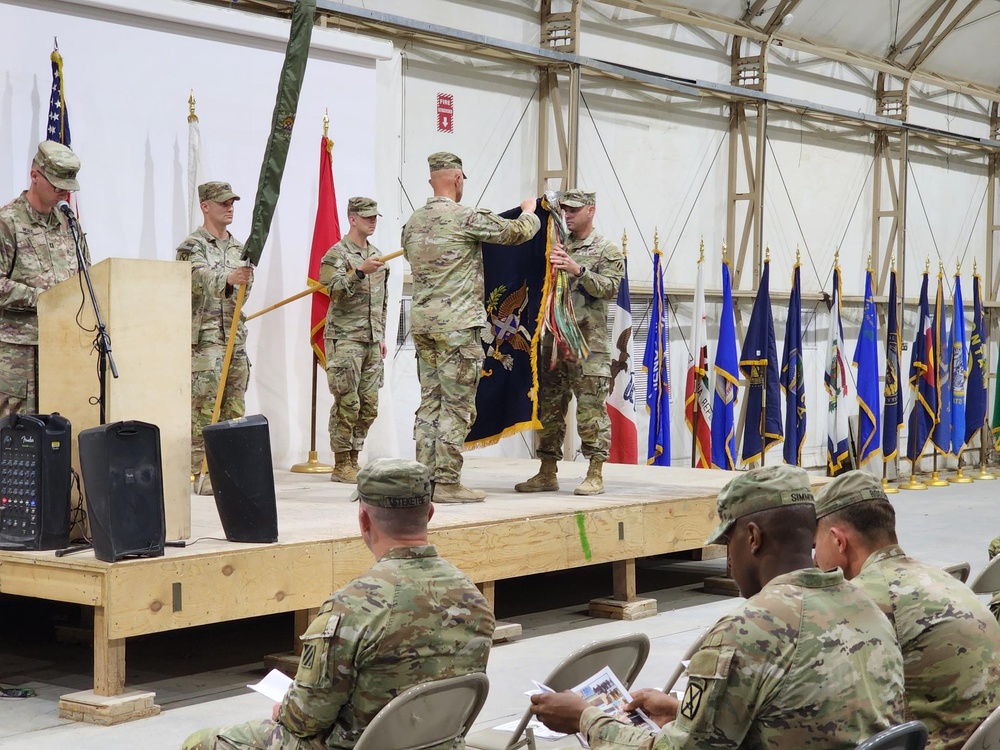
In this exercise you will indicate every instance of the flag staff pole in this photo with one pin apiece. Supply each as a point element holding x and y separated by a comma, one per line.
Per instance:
<point>312,464</point>
<point>696,410</point>
<point>984,430</point>
<point>959,477</point>
<point>914,483</point>
<point>763,394</point>
<point>886,487</point>
<point>936,480</point>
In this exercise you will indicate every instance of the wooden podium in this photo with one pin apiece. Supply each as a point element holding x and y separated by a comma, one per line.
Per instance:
<point>146,306</point>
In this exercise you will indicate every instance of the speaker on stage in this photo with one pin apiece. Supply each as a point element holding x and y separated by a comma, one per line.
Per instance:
<point>122,475</point>
<point>34,481</point>
<point>239,465</point>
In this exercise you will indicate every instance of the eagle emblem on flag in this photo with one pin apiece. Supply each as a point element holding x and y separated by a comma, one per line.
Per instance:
<point>504,318</point>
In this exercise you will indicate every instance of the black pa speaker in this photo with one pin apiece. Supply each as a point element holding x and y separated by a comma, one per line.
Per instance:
<point>239,465</point>
<point>34,481</point>
<point>123,479</point>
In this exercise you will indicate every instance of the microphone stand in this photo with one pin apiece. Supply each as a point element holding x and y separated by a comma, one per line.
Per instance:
<point>105,358</point>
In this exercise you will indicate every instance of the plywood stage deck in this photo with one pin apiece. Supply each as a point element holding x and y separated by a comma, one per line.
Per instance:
<point>645,511</point>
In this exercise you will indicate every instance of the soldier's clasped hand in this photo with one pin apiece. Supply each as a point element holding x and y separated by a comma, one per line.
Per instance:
<point>242,275</point>
<point>371,265</point>
<point>562,262</point>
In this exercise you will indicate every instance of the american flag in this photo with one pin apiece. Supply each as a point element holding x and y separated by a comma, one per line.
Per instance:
<point>58,125</point>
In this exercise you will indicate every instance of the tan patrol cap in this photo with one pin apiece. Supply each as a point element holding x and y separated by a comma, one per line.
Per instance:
<point>578,198</point>
<point>757,490</point>
<point>59,165</point>
<point>364,207</point>
<point>444,160</point>
<point>217,192</point>
<point>848,489</point>
<point>394,483</point>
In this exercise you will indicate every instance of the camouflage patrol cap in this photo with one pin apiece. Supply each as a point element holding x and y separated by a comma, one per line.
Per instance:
<point>578,198</point>
<point>848,489</point>
<point>364,207</point>
<point>59,165</point>
<point>217,192</point>
<point>394,483</point>
<point>444,160</point>
<point>757,490</point>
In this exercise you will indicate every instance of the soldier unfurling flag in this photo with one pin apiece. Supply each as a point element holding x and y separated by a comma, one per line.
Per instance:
<point>697,403</point>
<point>975,404</point>
<point>655,362</point>
<point>727,383</point>
<point>892,411</point>
<point>959,363</point>
<point>326,234</point>
<point>837,385</point>
<point>621,402</point>
<point>759,364</point>
<point>941,434</point>
<point>866,360</point>
<point>922,378</point>
<point>792,378</point>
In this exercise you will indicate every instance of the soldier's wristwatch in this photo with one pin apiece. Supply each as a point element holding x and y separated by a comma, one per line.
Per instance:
<point>359,273</point>
<point>583,270</point>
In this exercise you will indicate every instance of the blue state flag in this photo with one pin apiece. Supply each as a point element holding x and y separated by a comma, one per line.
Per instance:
<point>727,383</point>
<point>959,362</point>
<point>892,410</point>
<point>792,379</point>
<point>923,374</point>
<point>866,360</point>
<point>654,361</point>
<point>941,434</point>
<point>759,364</point>
<point>975,403</point>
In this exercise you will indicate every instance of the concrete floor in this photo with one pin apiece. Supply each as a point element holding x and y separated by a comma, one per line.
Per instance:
<point>197,686</point>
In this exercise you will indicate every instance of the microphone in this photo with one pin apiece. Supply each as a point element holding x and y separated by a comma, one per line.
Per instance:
<point>66,209</point>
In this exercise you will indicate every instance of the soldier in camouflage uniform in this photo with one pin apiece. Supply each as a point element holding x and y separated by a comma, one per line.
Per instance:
<point>948,638</point>
<point>217,268</point>
<point>443,243</point>
<point>410,619</point>
<point>36,252</point>
<point>596,267</point>
<point>808,661</point>
<point>354,337</point>
<point>993,550</point>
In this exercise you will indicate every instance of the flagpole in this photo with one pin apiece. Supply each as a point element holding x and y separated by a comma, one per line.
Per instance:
<point>696,409</point>
<point>984,430</point>
<point>936,480</point>
<point>983,474</point>
<point>913,483</point>
<point>312,465</point>
<point>763,395</point>
<point>959,477</point>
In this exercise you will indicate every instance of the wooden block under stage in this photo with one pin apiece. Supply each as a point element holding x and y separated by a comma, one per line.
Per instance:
<point>618,609</point>
<point>146,306</point>
<point>88,707</point>
<point>645,511</point>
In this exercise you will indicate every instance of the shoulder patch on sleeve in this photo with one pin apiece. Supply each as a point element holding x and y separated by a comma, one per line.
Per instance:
<point>483,218</point>
<point>315,648</point>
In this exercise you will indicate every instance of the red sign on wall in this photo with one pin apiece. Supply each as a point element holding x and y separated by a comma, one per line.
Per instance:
<point>446,113</point>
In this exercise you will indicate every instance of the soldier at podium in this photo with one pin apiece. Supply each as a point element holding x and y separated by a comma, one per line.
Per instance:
<point>36,252</point>
<point>217,268</point>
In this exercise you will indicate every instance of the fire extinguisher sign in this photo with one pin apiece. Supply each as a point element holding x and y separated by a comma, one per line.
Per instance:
<point>446,113</point>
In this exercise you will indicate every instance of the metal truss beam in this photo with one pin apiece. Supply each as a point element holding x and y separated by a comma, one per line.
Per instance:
<point>993,213</point>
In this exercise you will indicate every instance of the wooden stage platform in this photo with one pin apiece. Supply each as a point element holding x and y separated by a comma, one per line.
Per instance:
<point>645,511</point>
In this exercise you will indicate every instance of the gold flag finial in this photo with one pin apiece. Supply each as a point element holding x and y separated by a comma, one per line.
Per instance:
<point>767,253</point>
<point>940,266</point>
<point>701,250</point>
<point>894,261</point>
<point>326,123</point>
<point>927,264</point>
<point>798,254</point>
<point>624,242</point>
<point>192,117</point>
<point>868,265</point>
<point>975,263</point>
<point>656,239</point>
<point>958,267</point>
<point>836,258</point>
<point>725,253</point>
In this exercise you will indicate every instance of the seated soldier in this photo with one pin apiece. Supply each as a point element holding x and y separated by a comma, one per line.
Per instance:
<point>411,618</point>
<point>948,638</point>
<point>993,550</point>
<point>808,661</point>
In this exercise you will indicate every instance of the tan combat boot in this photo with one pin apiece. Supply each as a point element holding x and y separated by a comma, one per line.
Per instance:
<point>456,493</point>
<point>344,471</point>
<point>544,481</point>
<point>354,460</point>
<point>594,483</point>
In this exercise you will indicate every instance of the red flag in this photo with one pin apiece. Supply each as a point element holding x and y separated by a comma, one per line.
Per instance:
<point>326,234</point>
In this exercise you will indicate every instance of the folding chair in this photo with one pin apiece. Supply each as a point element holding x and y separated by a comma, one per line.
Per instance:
<point>625,655</point>
<point>987,734</point>
<point>960,571</point>
<point>909,736</point>
<point>426,715</point>
<point>988,580</point>
<point>679,669</point>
